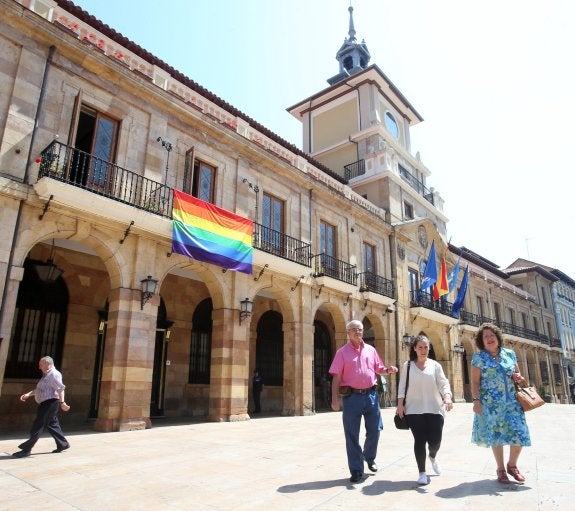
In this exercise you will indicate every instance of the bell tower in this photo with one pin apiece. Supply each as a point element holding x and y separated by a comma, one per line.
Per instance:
<point>353,57</point>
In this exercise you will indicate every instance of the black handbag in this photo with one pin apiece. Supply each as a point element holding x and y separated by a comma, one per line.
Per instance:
<point>401,422</point>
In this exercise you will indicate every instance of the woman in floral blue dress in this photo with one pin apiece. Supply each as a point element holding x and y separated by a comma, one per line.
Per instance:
<point>499,419</point>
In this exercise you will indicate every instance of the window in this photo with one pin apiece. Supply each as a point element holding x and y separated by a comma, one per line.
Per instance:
<point>408,210</point>
<point>413,276</point>
<point>535,325</point>
<point>512,316</point>
<point>95,140</point>
<point>391,124</point>
<point>497,311</point>
<point>273,225</point>
<point>201,343</point>
<point>544,296</point>
<point>480,306</point>
<point>369,263</point>
<point>203,181</point>
<point>273,213</point>
<point>328,249</point>
<point>39,324</point>
<point>327,239</point>
<point>524,320</point>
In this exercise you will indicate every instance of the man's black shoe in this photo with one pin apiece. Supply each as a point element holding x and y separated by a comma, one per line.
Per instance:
<point>21,454</point>
<point>372,466</point>
<point>60,449</point>
<point>356,476</point>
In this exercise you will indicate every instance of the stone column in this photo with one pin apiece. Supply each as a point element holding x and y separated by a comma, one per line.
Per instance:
<point>128,362</point>
<point>229,378</point>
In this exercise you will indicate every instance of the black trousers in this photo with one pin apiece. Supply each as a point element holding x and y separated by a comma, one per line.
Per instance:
<point>258,401</point>
<point>427,429</point>
<point>46,420</point>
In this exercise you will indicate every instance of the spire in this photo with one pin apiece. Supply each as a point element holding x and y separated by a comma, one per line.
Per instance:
<point>351,29</point>
<point>353,57</point>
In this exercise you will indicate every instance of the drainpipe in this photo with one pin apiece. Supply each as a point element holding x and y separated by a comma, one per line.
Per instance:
<point>38,110</point>
<point>25,181</point>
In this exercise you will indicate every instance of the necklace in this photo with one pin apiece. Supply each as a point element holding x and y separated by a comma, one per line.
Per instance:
<point>496,357</point>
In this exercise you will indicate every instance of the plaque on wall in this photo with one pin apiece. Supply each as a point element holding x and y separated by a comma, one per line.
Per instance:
<point>400,251</point>
<point>422,236</point>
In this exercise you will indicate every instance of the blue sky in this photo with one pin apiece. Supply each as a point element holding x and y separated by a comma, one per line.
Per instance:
<point>493,80</point>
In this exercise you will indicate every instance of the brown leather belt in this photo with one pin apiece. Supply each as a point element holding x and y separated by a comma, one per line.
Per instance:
<point>363,391</point>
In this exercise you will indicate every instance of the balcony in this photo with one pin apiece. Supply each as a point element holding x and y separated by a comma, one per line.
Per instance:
<point>519,331</point>
<point>418,186</point>
<point>327,266</point>
<point>369,281</point>
<point>425,300</point>
<point>95,175</point>
<point>281,245</point>
<point>354,169</point>
<point>87,171</point>
<point>467,318</point>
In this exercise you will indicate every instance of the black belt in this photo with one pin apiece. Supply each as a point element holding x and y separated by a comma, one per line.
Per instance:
<point>363,391</point>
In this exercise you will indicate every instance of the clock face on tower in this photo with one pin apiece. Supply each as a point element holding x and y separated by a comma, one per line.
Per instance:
<point>422,236</point>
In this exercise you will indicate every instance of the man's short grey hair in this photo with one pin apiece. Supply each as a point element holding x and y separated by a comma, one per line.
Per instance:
<point>47,360</point>
<point>354,323</point>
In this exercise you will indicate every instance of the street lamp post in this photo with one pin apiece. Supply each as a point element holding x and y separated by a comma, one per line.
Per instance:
<point>168,147</point>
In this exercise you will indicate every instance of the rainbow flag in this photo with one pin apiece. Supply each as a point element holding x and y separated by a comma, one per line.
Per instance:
<point>211,234</point>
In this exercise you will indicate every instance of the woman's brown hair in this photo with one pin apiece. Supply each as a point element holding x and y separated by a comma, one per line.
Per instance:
<point>488,326</point>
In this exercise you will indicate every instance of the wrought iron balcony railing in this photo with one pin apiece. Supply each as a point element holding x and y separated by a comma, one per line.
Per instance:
<point>326,265</point>
<point>87,171</point>
<point>354,169</point>
<point>468,318</point>
<point>418,186</point>
<point>281,245</point>
<point>84,170</point>
<point>369,281</point>
<point>419,299</point>
<point>519,331</point>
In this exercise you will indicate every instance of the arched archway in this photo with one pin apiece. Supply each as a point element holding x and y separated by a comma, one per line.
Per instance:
<point>39,323</point>
<point>269,348</point>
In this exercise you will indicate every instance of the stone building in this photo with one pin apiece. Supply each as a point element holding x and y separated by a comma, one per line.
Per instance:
<point>96,135</point>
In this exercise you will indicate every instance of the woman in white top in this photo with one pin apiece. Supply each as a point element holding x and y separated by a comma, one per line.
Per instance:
<point>428,397</point>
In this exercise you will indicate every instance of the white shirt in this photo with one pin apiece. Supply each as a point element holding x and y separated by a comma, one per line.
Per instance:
<point>426,388</point>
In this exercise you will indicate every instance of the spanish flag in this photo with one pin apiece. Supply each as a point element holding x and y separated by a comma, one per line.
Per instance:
<point>441,287</point>
<point>211,234</point>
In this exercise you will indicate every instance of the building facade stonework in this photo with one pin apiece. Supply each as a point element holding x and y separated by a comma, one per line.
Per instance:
<point>97,133</point>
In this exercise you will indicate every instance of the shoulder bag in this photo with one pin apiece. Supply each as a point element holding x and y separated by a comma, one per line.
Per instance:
<point>528,397</point>
<point>401,422</point>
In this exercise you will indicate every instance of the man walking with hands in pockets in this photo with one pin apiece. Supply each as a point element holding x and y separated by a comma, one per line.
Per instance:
<point>354,369</point>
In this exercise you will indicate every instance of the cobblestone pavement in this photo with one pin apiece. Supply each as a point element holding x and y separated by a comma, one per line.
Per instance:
<point>284,463</point>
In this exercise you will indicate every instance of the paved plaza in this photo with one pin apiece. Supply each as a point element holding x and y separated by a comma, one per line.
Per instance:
<point>283,463</point>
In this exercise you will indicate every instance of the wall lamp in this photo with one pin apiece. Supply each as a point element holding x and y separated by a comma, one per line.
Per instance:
<point>102,320</point>
<point>148,289</point>
<point>458,348</point>
<point>246,307</point>
<point>407,339</point>
<point>48,272</point>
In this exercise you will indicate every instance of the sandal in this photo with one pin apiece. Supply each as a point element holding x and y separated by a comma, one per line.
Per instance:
<point>514,471</point>
<point>502,476</point>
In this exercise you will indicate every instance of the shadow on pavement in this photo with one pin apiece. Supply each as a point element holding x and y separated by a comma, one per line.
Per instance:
<point>483,487</point>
